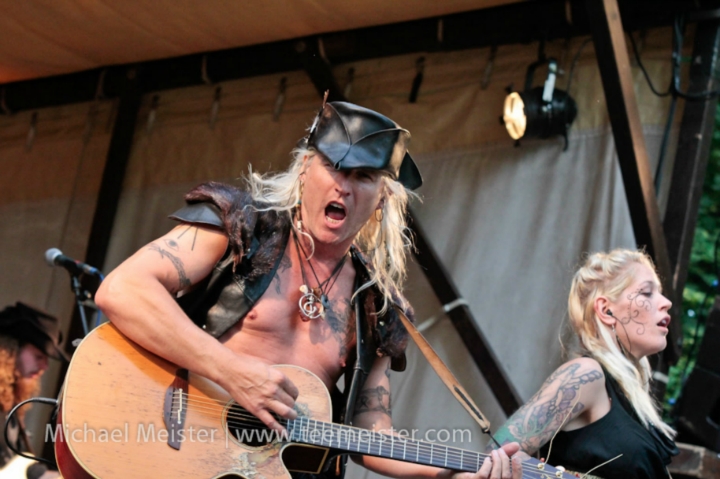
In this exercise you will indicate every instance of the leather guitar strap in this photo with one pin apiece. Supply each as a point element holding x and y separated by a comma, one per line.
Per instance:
<point>446,375</point>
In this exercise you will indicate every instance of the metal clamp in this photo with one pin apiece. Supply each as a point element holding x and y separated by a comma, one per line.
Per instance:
<point>446,308</point>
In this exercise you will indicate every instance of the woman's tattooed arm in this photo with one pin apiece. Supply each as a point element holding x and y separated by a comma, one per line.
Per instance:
<point>556,403</point>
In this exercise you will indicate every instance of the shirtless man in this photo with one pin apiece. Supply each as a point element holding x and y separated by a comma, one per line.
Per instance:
<point>283,272</point>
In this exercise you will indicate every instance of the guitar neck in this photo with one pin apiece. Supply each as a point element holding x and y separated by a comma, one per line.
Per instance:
<point>354,440</point>
<point>363,441</point>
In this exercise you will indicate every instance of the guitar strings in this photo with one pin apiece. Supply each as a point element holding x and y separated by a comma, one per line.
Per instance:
<point>455,456</point>
<point>423,450</point>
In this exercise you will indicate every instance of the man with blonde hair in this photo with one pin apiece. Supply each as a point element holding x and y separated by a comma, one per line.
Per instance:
<point>304,267</point>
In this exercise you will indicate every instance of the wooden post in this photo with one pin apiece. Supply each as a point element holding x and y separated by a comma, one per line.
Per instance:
<point>616,74</point>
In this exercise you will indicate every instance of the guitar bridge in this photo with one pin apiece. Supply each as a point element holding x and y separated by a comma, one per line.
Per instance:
<point>175,408</point>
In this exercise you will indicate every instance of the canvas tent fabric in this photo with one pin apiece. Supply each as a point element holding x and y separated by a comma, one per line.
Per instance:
<point>41,38</point>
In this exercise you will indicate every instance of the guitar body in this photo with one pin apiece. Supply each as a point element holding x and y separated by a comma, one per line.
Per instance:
<point>126,413</point>
<point>118,406</point>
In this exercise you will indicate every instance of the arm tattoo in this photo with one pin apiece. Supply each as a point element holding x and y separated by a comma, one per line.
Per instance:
<point>184,282</point>
<point>377,399</point>
<point>285,263</point>
<point>192,248</point>
<point>537,421</point>
<point>172,244</point>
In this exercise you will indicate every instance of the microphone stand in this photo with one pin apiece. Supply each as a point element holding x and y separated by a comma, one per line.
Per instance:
<point>82,297</point>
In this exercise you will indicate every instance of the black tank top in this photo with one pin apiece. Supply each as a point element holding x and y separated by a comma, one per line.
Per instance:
<point>645,452</point>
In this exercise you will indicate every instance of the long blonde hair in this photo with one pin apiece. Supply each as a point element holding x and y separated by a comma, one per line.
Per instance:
<point>608,274</point>
<point>383,242</point>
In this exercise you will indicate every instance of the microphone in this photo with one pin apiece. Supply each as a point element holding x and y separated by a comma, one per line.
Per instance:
<point>54,257</point>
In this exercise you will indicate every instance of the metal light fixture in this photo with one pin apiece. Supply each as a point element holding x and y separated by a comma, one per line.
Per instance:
<point>539,112</point>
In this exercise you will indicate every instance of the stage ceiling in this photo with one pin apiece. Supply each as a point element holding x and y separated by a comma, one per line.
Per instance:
<point>40,38</point>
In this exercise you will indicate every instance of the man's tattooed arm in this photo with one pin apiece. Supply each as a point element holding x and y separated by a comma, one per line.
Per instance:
<point>376,399</point>
<point>373,404</point>
<point>183,281</point>
<point>556,403</point>
<point>190,227</point>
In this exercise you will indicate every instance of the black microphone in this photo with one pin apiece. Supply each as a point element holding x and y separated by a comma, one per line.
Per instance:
<point>54,257</point>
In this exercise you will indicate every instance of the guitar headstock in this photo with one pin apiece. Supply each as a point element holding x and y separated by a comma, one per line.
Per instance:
<point>534,469</point>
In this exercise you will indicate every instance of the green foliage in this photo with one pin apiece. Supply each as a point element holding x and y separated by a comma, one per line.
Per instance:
<point>701,286</point>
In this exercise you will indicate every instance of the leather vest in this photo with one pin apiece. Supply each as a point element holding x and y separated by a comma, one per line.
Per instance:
<point>225,296</point>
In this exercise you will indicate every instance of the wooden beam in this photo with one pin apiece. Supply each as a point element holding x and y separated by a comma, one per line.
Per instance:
<point>108,196</point>
<point>318,68</point>
<point>115,166</point>
<point>615,71</point>
<point>107,200</point>
<point>695,462</point>
<point>692,154</point>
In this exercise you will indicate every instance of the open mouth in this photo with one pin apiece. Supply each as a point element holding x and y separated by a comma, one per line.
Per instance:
<point>335,213</point>
<point>664,323</point>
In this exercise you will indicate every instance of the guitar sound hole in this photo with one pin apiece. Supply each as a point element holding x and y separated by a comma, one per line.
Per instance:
<point>246,428</point>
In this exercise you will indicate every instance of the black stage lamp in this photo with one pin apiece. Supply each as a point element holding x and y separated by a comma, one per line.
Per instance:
<point>539,112</point>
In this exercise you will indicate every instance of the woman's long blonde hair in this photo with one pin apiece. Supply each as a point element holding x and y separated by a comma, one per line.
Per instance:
<point>383,242</point>
<point>608,274</point>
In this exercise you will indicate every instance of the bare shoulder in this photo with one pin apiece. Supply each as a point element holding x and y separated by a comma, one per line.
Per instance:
<point>581,373</point>
<point>197,239</point>
<point>583,365</point>
<point>584,375</point>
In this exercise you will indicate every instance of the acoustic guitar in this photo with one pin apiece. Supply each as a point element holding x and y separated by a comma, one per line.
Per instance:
<point>127,413</point>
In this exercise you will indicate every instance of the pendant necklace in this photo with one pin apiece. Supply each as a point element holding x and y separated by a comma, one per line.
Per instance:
<point>314,301</point>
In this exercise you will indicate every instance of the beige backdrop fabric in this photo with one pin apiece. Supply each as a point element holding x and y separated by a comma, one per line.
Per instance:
<point>509,223</point>
<point>49,184</point>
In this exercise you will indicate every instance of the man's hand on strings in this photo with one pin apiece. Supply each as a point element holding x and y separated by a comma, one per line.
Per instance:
<point>498,465</point>
<point>263,390</point>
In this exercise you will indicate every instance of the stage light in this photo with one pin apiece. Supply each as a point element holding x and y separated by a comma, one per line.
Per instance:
<point>539,112</point>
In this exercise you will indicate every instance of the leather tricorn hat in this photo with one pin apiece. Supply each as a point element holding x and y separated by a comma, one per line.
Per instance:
<point>351,136</point>
<point>30,325</point>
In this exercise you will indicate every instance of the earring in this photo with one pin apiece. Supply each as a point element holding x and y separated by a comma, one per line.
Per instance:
<point>622,348</point>
<point>382,215</point>
<point>300,193</point>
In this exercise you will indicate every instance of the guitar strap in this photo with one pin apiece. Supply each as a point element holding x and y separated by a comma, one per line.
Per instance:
<point>446,375</point>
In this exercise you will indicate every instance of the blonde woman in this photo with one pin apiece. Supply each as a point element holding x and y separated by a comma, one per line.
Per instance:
<point>595,411</point>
